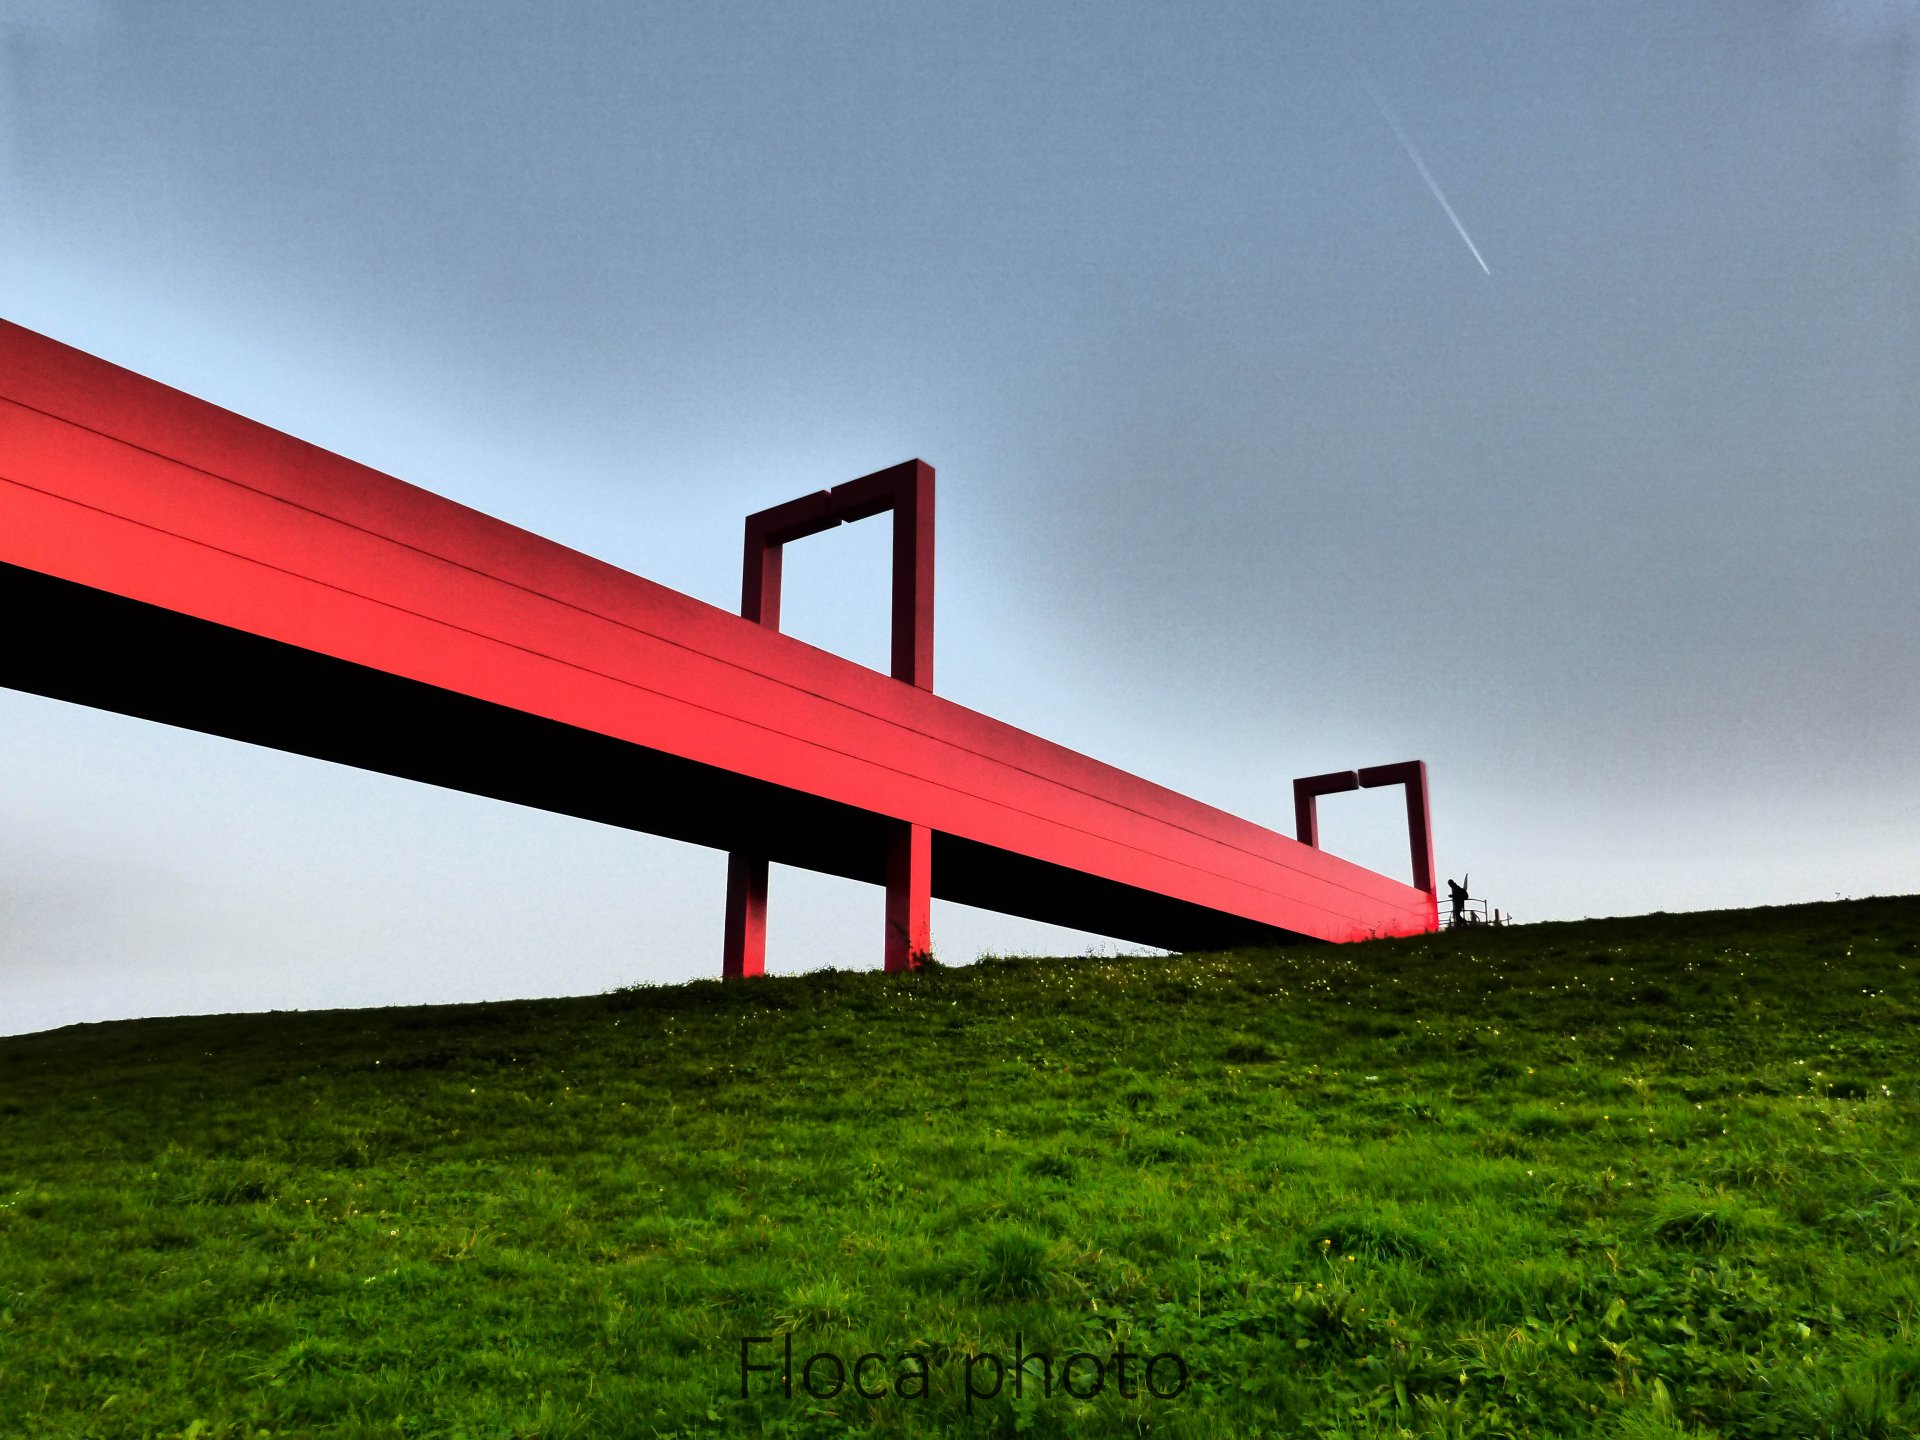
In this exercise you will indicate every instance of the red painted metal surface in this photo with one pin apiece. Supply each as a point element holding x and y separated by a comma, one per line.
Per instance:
<point>907,492</point>
<point>165,558</point>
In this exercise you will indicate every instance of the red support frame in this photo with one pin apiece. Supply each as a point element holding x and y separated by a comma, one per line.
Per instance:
<point>907,491</point>
<point>1410,773</point>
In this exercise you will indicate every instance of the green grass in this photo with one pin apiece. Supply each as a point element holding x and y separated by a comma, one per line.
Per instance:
<point>1643,1178</point>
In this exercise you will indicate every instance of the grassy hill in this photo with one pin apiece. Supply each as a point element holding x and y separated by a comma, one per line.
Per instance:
<point>1648,1177</point>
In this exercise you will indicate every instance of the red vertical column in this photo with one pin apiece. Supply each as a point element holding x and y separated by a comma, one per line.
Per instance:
<point>1420,836</point>
<point>745,950</point>
<point>909,896</point>
<point>910,851</point>
<point>913,575</point>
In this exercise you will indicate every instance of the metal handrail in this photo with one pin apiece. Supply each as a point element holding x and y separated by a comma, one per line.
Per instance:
<point>1472,912</point>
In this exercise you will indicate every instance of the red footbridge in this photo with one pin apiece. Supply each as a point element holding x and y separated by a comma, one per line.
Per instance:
<point>164,558</point>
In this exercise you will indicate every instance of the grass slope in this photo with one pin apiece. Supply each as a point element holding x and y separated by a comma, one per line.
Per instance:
<point>1650,1177</point>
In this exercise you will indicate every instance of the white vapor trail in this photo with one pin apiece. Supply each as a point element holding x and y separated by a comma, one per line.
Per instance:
<point>1425,174</point>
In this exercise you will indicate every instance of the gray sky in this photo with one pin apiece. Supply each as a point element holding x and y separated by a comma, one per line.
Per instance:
<point>1247,469</point>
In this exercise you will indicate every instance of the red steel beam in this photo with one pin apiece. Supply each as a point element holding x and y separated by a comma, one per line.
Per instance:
<point>166,558</point>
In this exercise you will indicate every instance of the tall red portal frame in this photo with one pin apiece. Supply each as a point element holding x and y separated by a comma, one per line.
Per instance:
<point>168,559</point>
<point>907,491</point>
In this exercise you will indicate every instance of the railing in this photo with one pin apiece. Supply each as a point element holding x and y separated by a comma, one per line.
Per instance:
<point>1471,912</point>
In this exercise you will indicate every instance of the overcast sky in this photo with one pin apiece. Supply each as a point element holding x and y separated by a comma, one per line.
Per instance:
<point>1247,469</point>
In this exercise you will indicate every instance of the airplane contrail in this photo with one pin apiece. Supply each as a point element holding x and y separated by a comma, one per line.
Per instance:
<point>1425,174</point>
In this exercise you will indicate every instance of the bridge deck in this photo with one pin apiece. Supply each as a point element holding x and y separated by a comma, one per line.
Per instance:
<point>162,557</point>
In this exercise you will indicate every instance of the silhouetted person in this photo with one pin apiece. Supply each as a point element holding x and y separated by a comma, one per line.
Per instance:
<point>1457,893</point>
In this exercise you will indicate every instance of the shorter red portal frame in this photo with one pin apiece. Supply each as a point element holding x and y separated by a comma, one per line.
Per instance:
<point>906,490</point>
<point>1410,773</point>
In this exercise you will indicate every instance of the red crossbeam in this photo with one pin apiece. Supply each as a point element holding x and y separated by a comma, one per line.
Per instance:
<point>165,558</point>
